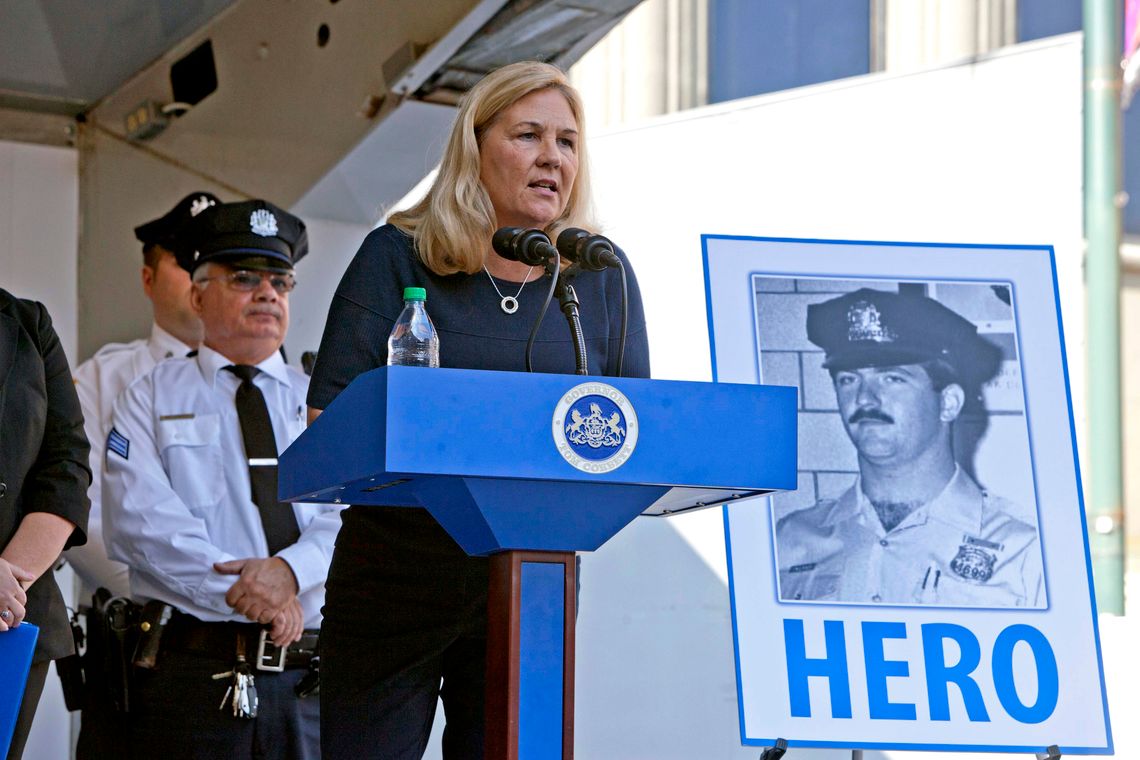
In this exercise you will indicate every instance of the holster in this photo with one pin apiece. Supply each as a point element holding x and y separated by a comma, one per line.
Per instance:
<point>112,631</point>
<point>152,624</point>
<point>70,670</point>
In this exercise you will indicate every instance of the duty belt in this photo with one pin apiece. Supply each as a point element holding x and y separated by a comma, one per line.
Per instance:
<point>186,633</point>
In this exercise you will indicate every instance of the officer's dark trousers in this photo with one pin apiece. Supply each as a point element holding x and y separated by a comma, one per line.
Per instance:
<point>103,731</point>
<point>405,625</point>
<point>175,715</point>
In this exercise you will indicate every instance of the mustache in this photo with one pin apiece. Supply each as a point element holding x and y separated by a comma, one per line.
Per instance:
<point>271,310</point>
<point>869,414</point>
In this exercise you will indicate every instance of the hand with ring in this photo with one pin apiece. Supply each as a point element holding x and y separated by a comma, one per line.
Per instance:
<point>12,594</point>
<point>10,620</point>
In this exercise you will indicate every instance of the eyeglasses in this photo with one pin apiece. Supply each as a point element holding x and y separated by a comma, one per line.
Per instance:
<point>247,281</point>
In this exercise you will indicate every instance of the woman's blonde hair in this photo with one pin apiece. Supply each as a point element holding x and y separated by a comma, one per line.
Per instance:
<point>452,225</point>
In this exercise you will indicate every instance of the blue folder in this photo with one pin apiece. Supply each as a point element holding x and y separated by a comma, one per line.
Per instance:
<point>16,648</point>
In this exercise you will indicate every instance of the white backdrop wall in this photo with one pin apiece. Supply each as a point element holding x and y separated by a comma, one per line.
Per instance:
<point>331,247</point>
<point>39,206</point>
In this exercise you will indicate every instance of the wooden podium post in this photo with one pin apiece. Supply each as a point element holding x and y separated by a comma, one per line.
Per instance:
<point>531,609</point>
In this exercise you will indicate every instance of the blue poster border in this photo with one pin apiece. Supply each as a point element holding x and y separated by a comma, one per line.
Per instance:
<point>930,747</point>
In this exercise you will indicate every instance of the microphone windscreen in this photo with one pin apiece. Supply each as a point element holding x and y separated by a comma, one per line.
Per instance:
<point>533,247</point>
<point>568,243</point>
<point>503,242</point>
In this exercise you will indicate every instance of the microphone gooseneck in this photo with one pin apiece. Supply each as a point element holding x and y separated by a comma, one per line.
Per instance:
<point>595,253</point>
<point>552,269</point>
<point>532,247</point>
<point>568,299</point>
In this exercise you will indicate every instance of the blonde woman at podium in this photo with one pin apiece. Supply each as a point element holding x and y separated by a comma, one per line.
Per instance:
<point>405,616</point>
<point>43,493</point>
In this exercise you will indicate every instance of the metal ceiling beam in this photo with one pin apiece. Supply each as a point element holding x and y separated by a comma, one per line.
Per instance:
<point>37,127</point>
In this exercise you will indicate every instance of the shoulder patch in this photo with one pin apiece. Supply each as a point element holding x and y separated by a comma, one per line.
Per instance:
<point>118,443</point>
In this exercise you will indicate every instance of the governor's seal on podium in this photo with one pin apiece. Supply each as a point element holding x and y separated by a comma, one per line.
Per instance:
<point>595,427</point>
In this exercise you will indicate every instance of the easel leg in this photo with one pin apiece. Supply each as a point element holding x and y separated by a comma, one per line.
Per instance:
<point>776,752</point>
<point>1053,752</point>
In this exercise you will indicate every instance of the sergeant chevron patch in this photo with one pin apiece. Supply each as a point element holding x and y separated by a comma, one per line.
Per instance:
<point>118,443</point>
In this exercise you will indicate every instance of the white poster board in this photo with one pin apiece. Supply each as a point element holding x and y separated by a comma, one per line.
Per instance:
<point>960,621</point>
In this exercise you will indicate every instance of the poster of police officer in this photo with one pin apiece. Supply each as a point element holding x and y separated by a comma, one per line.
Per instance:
<point>916,483</point>
<point>928,580</point>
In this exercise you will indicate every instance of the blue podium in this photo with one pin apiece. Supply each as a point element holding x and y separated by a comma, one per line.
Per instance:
<point>529,469</point>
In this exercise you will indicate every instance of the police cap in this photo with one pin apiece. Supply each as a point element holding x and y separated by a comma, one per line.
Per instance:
<point>164,230</point>
<point>249,234</point>
<point>877,328</point>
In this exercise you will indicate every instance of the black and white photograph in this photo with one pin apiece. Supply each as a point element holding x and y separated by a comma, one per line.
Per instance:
<point>915,482</point>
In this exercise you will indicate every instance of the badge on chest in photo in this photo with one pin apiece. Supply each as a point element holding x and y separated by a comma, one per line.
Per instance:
<point>975,559</point>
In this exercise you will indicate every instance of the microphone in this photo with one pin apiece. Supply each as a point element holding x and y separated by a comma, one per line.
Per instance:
<point>520,244</point>
<point>595,253</point>
<point>591,252</point>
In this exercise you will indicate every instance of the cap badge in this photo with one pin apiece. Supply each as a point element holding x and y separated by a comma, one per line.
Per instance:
<point>200,204</point>
<point>262,222</point>
<point>865,323</point>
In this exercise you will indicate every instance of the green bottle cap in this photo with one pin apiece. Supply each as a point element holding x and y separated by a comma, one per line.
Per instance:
<point>415,294</point>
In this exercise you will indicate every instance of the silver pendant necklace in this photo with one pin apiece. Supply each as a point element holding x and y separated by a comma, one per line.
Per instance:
<point>509,304</point>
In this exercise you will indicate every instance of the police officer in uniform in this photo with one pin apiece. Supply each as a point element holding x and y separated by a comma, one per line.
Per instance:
<point>190,496</point>
<point>914,528</point>
<point>176,331</point>
<point>99,380</point>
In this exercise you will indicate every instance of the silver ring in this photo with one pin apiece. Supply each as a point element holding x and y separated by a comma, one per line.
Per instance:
<point>5,614</point>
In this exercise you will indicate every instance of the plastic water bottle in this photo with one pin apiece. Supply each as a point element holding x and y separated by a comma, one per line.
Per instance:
<point>413,342</point>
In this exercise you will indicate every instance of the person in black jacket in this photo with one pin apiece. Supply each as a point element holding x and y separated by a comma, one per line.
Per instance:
<point>43,487</point>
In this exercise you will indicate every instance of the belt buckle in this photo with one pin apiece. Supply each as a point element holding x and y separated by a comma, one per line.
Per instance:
<point>270,657</point>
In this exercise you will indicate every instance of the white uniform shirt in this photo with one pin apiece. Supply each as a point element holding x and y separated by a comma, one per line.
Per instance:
<point>961,549</point>
<point>177,486</point>
<point>99,381</point>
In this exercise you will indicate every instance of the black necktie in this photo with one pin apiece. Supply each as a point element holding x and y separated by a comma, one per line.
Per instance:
<point>277,519</point>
